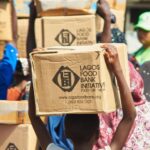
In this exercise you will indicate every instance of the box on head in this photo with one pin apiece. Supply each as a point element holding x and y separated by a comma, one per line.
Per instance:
<point>79,77</point>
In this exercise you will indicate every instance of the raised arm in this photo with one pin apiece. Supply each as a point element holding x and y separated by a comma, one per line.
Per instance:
<point>38,125</point>
<point>129,112</point>
<point>103,10</point>
<point>31,43</point>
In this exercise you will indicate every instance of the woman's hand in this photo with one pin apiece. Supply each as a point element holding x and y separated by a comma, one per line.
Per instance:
<point>103,9</point>
<point>112,59</point>
<point>33,11</point>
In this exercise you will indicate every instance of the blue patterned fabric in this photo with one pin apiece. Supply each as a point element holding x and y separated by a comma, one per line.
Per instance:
<point>56,129</point>
<point>7,68</point>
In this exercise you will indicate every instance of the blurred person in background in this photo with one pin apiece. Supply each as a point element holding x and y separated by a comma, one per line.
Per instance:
<point>9,60</point>
<point>142,56</point>
<point>143,29</point>
<point>139,136</point>
<point>18,89</point>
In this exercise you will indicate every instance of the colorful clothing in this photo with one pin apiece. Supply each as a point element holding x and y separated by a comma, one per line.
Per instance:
<point>139,137</point>
<point>7,68</point>
<point>14,94</point>
<point>142,55</point>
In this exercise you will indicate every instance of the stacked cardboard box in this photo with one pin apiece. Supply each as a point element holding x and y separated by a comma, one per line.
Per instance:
<point>66,7</point>
<point>14,112</point>
<point>17,137</point>
<point>65,28</point>
<point>5,21</point>
<point>65,31</point>
<point>77,91</point>
<point>22,36</point>
<point>15,128</point>
<point>5,25</point>
<point>22,10</point>
<point>45,26</point>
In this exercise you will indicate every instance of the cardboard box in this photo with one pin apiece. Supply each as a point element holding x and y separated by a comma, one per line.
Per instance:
<point>5,21</point>
<point>65,7</point>
<point>17,137</point>
<point>75,80</point>
<point>22,8</point>
<point>14,118</point>
<point>22,32</point>
<point>120,5</point>
<point>2,46</point>
<point>111,3</point>
<point>117,4</point>
<point>65,31</point>
<point>120,18</point>
<point>14,112</point>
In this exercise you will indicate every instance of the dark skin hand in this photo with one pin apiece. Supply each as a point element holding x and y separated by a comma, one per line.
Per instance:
<point>129,112</point>
<point>38,125</point>
<point>103,10</point>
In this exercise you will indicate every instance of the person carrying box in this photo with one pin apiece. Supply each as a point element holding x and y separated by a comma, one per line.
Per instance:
<point>82,140</point>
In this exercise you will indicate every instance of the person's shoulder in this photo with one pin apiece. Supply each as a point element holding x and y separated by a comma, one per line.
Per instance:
<point>138,51</point>
<point>52,146</point>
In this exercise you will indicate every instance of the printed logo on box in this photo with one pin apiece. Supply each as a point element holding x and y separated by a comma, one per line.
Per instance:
<point>66,79</point>
<point>11,146</point>
<point>65,38</point>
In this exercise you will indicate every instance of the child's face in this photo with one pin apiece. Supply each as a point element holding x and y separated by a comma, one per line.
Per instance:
<point>144,37</point>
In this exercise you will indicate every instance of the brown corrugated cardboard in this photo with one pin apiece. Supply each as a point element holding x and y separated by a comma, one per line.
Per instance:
<point>111,3</point>
<point>65,31</point>
<point>75,80</point>
<point>117,4</point>
<point>2,46</point>
<point>120,18</point>
<point>22,32</point>
<point>17,137</point>
<point>22,7</point>
<point>120,5</point>
<point>5,21</point>
<point>14,118</point>
<point>14,112</point>
<point>64,8</point>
